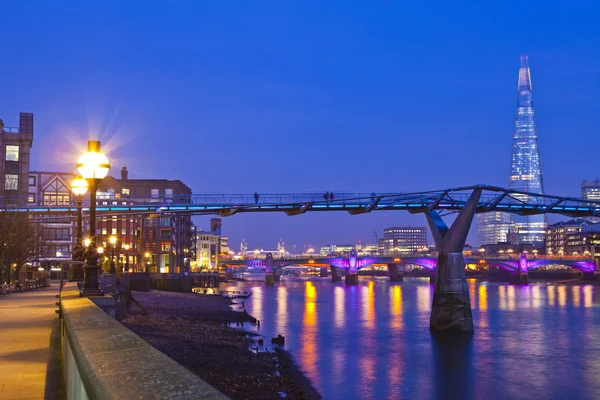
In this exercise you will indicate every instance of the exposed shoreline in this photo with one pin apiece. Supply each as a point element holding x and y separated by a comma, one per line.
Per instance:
<point>192,329</point>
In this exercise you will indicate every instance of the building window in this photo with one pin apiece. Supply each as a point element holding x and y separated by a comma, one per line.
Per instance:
<point>165,246</point>
<point>165,222</point>
<point>113,231</point>
<point>154,192</point>
<point>31,198</point>
<point>168,192</point>
<point>12,153</point>
<point>165,234</point>
<point>123,231</point>
<point>11,182</point>
<point>125,191</point>
<point>32,181</point>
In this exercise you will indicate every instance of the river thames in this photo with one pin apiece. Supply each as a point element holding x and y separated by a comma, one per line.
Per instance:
<point>372,341</point>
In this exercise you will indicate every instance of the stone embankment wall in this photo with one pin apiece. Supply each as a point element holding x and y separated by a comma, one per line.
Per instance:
<point>102,359</point>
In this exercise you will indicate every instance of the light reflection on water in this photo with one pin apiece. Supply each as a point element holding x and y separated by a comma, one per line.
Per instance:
<point>372,341</point>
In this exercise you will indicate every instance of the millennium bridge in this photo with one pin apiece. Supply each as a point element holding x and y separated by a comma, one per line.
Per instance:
<point>451,309</point>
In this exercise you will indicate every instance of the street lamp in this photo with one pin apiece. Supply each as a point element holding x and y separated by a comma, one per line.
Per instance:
<point>147,261</point>
<point>93,167</point>
<point>126,248</point>
<point>79,187</point>
<point>113,241</point>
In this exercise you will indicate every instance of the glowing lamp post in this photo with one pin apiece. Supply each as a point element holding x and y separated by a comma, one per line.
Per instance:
<point>147,261</point>
<point>113,242</point>
<point>93,167</point>
<point>126,248</point>
<point>79,187</point>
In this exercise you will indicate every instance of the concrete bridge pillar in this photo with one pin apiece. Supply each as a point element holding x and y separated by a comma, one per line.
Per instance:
<point>523,276</point>
<point>277,276</point>
<point>352,279</point>
<point>352,276</point>
<point>336,274</point>
<point>269,279</point>
<point>451,307</point>
<point>395,273</point>
<point>323,273</point>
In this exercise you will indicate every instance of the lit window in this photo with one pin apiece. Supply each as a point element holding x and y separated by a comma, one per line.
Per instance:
<point>113,231</point>
<point>125,191</point>
<point>11,182</point>
<point>12,153</point>
<point>154,192</point>
<point>123,231</point>
<point>169,192</point>
<point>31,198</point>
<point>104,231</point>
<point>32,181</point>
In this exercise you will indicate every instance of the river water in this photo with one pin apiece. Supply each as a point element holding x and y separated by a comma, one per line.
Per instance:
<point>372,341</point>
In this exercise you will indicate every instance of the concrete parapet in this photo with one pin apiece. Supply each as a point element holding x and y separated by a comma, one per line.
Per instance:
<point>451,308</point>
<point>104,360</point>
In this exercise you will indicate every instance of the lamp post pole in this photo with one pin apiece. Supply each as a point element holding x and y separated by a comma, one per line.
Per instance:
<point>90,272</point>
<point>79,187</point>
<point>93,167</point>
<point>113,242</point>
<point>126,251</point>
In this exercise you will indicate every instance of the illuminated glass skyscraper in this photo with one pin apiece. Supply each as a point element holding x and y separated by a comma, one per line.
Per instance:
<point>525,170</point>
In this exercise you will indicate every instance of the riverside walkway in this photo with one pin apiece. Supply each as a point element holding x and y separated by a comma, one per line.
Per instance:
<point>29,333</point>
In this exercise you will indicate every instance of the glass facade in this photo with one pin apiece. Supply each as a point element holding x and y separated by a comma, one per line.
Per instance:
<point>492,227</point>
<point>525,169</point>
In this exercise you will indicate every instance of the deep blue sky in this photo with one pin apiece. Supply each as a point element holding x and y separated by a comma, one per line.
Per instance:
<point>290,96</point>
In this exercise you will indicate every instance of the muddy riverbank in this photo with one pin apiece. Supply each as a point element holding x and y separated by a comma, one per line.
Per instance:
<point>192,329</point>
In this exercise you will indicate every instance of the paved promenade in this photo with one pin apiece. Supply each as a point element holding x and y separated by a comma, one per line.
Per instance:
<point>29,333</point>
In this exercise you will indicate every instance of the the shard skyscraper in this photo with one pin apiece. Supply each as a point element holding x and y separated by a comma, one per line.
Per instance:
<point>525,170</point>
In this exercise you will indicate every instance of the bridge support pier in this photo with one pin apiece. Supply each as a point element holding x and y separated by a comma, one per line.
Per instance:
<point>323,273</point>
<point>522,278</point>
<point>394,273</point>
<point>352,279</point>
<point>451,307</point>
<point>336,274</point>
<point>270,279</point>
<point>277,276</point>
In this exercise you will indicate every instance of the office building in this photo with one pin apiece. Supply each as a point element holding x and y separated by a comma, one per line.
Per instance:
<point>525,168</point>
<point>492,227</point>
<point>576,237</point>
<point>403,240</point>
<point>590,190</point>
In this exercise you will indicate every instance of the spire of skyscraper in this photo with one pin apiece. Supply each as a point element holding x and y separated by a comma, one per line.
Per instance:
<point>525,169</point>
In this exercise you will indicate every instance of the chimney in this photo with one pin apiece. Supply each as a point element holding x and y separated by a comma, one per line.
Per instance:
<point>124,174</point>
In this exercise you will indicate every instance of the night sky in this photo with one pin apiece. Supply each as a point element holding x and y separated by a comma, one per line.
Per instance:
<point>295,96</point>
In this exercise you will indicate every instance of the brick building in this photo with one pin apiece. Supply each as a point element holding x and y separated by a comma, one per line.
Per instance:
<point>15,148</point>
<point>157,243</point>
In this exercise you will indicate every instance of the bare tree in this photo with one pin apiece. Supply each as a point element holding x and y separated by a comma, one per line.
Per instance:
<point>21,241</point>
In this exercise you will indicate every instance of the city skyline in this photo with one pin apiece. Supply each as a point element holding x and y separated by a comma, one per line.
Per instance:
<point>303,108</point>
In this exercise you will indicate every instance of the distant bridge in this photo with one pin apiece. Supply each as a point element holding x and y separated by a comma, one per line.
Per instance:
<point>353,263</point>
